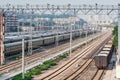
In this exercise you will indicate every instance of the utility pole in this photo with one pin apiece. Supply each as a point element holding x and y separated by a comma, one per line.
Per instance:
<point>119,33</point>
<point>71,39</point>
<point>23,60</point>
<point>30,38</point>
<point>37,19</point>
<point>18,28</point>
<point>57,24</point>
<point>86,33</point>
<point>80,28</point>
<point>94,29</point>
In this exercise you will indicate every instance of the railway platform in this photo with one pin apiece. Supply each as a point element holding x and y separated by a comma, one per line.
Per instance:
<point>118,72</point>
<point>117,69</point>
<point>110,73</point>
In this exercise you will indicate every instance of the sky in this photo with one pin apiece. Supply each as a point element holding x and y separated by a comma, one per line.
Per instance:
<point>60,2</point>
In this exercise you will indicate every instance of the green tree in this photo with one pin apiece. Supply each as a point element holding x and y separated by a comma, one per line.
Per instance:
<point>115,33</point>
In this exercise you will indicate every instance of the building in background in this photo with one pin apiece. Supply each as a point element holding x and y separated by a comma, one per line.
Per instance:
<point>11,22</point>
<point>100,20</point>
<point>103,21</point>
<point>1,38</point>
<point>27,28</point>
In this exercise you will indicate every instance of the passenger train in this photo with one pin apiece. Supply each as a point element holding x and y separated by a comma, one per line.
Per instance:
<point>15,47</point>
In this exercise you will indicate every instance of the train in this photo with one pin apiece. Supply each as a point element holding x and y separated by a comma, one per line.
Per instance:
<point>104,56</point>
<point>14,37</point>
<point>14,48</point>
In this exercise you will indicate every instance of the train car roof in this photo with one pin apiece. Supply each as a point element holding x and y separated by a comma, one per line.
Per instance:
<point>104,52</point>
<point>44,34</point>
<point>102,55</point>
<point>37,39</point>
<point>66,34</point>
<point>106,49</point>
<point>35,35</point>
<point>108,45</point>
<point>20,42</point>
<point>36,32</point>
<point>49,37</point>
<point>14,38</point>
<point>12,44</point>
<point>110,41</point>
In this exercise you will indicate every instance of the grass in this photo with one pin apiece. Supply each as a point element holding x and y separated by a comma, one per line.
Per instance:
<point>38,70</point>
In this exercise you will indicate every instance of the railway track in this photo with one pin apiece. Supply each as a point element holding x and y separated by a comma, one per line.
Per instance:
<point>90,72</point>
<point>29,59</point>
<point>98,75</point>
<point>86,68</point>
<point>69,71</point>
<point>87,73</point>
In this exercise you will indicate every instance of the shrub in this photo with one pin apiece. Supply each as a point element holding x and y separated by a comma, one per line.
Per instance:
<point>115,33</point>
